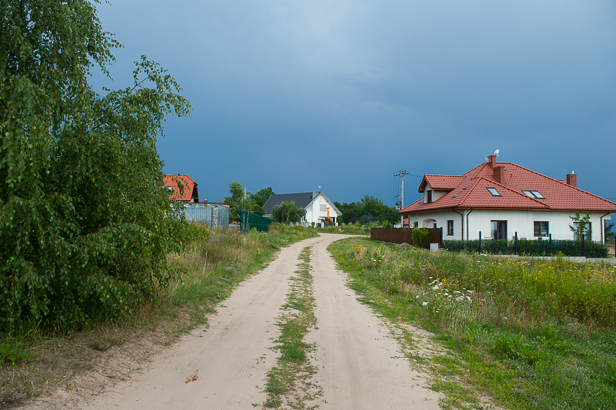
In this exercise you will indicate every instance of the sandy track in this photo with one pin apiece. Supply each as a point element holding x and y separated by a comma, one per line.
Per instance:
<point>355,356</point>
<point>360,364</point>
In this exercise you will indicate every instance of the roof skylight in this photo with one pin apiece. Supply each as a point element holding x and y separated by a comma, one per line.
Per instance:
<point>493,191</point>
<point>537,194</point>
<point>463,189</point>
<point>533,194</point>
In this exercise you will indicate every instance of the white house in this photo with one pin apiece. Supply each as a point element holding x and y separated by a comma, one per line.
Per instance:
<point>318,206</point>
<point>499,199</point>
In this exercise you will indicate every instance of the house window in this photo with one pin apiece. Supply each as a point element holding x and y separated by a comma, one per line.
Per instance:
<point>499,229</point>
<point>416,224</point>
<point>541,228</point>
<point>533,194</point>
<point>587,232</point>
<point>323,207</point>
<point>429,196</point>
<point>450,228</point>
<point>537,194</point>
<point>493,191</point>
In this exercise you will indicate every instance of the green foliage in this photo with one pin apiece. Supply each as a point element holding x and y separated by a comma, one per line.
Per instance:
<point>368,210</point>
<point>608,230</point>
<point>260,198</point>
<point>85,223</point>
<point>286,212</point>
<point>530,247</point>
<point>11,351</point>
<point>579,225</point>
<point>419,236</point>
<point>239,199</point>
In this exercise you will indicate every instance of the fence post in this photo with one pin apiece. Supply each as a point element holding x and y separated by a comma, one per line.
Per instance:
<point>479,242</point>
<point>583,250</point>
<point>550,247</point>
<point>516,243</point>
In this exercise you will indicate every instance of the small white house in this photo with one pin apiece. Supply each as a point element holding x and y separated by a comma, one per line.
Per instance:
<point>501,199</point>
<point>318,206</point>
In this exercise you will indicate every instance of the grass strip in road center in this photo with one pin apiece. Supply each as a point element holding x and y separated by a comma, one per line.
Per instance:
<point>289,382</point>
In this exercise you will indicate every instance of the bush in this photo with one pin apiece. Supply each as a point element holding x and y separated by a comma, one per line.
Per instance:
<point>419,237</point>
<point>529,247</point>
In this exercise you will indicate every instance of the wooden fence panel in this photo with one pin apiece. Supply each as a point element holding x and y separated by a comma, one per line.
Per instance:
<point>400,235</point>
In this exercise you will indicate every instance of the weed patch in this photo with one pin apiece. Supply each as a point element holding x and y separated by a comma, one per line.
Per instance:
<point>530,334</point>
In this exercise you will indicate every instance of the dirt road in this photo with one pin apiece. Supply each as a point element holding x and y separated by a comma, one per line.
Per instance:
<point>359,364</point>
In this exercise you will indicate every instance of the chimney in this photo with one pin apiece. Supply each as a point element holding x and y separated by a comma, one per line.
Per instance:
<point>499,174</point>
<point>572,179</point>
<point>492,160</point>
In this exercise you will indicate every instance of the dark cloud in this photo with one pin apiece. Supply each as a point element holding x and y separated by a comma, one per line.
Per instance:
<point>344,94</point>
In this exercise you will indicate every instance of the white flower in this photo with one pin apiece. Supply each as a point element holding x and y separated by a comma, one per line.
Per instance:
<point>424,304</point>
<point>435,287</point>
<point>469,291</point>
<point>456,291</point>
<point>468,298</point>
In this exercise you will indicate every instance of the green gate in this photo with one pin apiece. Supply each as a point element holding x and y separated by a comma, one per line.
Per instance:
<point>250,221</point>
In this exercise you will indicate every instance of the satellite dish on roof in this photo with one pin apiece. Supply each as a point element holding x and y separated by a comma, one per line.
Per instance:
<point>496,152</point>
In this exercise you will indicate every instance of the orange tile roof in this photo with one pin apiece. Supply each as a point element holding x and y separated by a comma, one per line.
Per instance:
<point>471,191</point>
<point>188,185</point>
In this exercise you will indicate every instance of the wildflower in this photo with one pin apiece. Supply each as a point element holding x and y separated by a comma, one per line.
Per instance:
<point>424,304</point>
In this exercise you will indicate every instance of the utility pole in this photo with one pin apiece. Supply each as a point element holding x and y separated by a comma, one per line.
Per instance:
<point>401,174</point>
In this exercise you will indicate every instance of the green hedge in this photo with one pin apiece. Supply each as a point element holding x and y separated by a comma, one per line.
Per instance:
<point>530,247</point>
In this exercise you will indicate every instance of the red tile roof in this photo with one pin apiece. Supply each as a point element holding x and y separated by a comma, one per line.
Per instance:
<point>440,182</point>
<point>470,191</point>
<point>189,186</point>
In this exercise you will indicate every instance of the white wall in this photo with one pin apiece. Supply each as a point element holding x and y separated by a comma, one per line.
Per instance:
<point>435,194</point>
<point>521,222</point>
<point>314,214</point>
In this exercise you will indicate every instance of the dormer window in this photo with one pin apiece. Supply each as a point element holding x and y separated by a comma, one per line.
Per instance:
<point>429,196</point>
<point>493,191</point>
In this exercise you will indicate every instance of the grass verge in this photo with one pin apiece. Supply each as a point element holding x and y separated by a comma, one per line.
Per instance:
<point>523,334</point>
<point>214,263</point>
<point>289,382</point>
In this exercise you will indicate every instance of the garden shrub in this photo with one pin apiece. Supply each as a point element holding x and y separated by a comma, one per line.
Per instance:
<point>529,247</point>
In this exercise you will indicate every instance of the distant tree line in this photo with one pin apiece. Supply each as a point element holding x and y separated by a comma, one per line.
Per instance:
<point>368,210</point>
<point>240,199</point>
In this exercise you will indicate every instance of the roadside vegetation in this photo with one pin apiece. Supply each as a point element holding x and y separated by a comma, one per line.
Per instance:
<point>289,382</point>
<point>213,263</point>
<point>520,333</point>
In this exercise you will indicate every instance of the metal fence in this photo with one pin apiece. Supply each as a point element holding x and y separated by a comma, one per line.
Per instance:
<point>213,215</point>
<point>249,221</point>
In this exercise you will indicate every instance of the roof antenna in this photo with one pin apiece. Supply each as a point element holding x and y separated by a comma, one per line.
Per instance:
<point>496,152</point>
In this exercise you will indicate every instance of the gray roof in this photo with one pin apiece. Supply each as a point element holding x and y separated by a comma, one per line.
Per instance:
<point>301,200</point>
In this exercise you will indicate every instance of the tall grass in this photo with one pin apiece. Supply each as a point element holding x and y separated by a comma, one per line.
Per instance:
<point>532,333</point>
<point>213,263</point>
<point>217,260</point>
